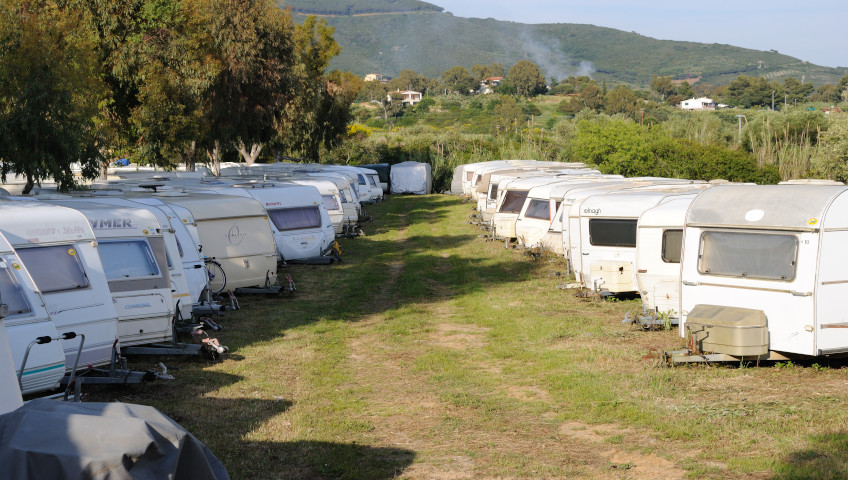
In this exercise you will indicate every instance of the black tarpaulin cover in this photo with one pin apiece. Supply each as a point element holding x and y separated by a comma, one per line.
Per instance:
<point>53,439</point>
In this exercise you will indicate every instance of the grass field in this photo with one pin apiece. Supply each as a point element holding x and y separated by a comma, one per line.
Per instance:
<point>433,354</point>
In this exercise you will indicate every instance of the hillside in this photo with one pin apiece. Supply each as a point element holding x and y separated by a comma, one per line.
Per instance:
<point>387,36</point>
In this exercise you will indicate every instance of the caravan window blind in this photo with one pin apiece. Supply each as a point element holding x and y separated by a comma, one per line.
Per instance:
<point>330,202</point>
<point>767,256</point>
<point>672,243</point>
<point>513,201</point>
<point>612,232</point>
<point>295,218</point>
<point>127,259</point>
<point>540,209</point>
<point>55,268</point>
<point>10,291</point>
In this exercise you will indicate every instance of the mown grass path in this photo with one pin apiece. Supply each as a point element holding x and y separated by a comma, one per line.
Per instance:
<point>431,353</point>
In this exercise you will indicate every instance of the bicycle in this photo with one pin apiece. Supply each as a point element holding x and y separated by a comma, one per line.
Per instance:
<point>217,276</point>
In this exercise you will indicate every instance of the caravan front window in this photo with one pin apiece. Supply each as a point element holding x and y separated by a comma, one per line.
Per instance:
<point>330,202</point>
<point>612,232</point>
<point>126,259</point>
<point>10,291</point>
<point>672,243</point>
<point>54,268</point>
<point>513,201</point>
<point>540,209</point>
<point>295,218</point>
<point>767,256</point>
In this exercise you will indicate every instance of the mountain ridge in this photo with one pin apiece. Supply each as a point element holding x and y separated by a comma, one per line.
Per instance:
<point>422,37</point>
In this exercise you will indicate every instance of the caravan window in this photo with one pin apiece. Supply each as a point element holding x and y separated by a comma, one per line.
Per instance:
<point>344,197</point>
<point>612,232</point>
<point>672,243</point>
<point>540,209</point>
<point>127,259</point>
<point>767,256</point>
<point>493,193</point>
<point>361,179</point>
<point>55,268</point>
<point>10,291</point>
<point>295,218</point>
<point>469,176</point>
<point>513,201</point>
<point>330,202</point>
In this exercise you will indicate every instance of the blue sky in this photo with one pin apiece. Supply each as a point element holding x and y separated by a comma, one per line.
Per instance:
<point>810,30</point>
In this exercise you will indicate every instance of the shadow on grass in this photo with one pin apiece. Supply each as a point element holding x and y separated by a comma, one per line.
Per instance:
<point>827,458</point>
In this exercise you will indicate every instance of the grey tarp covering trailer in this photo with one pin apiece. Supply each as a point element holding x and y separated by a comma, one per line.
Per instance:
<point>50,439</point>
<point>411,177</point>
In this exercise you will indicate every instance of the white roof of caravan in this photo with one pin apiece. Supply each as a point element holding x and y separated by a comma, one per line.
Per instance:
<point>26,222</point>
<point>526,183</point>
<point>209,206</point>
<point>668,214</point>
<point>631,203</point>
<point>115,220</point>
<point>563,184</point>
<point>791,207</point>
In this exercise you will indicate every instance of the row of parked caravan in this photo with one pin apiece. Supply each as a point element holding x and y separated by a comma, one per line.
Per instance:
<point>132,265</point>
<point>747,271</point>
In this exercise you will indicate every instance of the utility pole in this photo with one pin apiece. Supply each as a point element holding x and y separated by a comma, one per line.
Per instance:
<point>772,100</point>
<point>740,117</point>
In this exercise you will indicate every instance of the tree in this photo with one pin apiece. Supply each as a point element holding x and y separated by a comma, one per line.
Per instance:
<point>481,72</point>
<point>459,80</point>
<point>748,92</point>
<point>592,96</point>
<point>621,100</point>
<point>843,87</point>
<point>685,90</point>
<point>663,86</point>
<point>508,113</point>
<point>831,158</point>
<point>409,80</point>
<point>570,106</point>
<point>50,93</point>
<point>826,93</point>
<point>527,78</point>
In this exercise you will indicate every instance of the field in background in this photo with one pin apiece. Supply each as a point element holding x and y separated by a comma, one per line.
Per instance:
<point>431,353</point>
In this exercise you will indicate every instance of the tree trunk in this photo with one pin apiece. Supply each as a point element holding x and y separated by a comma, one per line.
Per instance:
<point>189,161</point>
<point>215,159</point>
<point>29,184</point>
<point>251,156</point>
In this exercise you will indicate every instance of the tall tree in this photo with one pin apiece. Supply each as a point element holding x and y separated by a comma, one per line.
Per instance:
<point>527,78</point>
<point>663,86</point>
<point>50,92</point>
<point>621,100</point>
<point>458,80</point>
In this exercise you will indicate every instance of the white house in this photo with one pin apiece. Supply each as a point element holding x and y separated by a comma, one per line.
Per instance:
<point>702,103</point>
<point>406,97</point>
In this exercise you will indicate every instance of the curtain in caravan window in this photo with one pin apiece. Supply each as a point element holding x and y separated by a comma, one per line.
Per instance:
<point>672,243</point>
<point>513,201</point>
<point>330,202</point>
<point>766,256</point>
<point>540,209</point>
<point>295,218</point>
<point>612,232</point>
<point>10,291</point>
<point>54,268</point>
<point>126,259</point>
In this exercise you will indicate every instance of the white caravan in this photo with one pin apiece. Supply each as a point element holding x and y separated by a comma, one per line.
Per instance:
<point>233,231</point>
<point>659,241</point>
<point>26,320</point>
<point>132,251</point>
<point>764,270</point>
<point>58,248</point>
<point>607,247</point>
<point>10,394</point>
<point>512,201</point>
<point>182,293</point>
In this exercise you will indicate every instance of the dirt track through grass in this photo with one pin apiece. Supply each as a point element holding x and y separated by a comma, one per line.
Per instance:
<point>433,354</point>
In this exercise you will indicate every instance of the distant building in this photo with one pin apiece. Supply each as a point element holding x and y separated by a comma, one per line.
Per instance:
<point>487,85</point>
<point>406,97</point>
<point>702,103</point>
<point>375,77</point>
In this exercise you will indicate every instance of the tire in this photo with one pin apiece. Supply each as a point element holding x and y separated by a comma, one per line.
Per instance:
<point>217,277</point>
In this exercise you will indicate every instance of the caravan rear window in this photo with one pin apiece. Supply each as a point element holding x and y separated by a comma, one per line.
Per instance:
<point>513,201</point>
<point>672,243</point>
<point>54,268</point>
<point>295,218</point>
<point>127,259</point>
<point>766,256</point>
<point>612,232</point>
<point>540,209</point>
<point>330,202</point>
<point>10,291</point>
